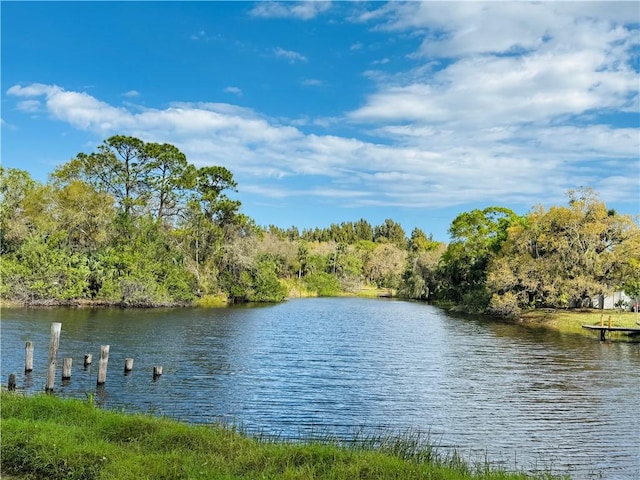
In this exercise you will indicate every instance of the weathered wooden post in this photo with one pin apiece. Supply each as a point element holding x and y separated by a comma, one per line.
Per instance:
<point>88,358</point>
<point>602,320</point>
<point>102,369</point>
<point>157,371</point>
<point>53,352</point>
<point>128,365</point>
<point>28,357</point>
<point>66,368</point>
<point>609,321</point>
<point>12,382</point>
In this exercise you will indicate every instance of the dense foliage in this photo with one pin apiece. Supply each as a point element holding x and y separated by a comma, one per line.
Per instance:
<point>136,224</point>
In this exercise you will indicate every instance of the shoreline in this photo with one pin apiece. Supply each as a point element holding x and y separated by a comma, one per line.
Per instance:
<point>80,440</point>
<point>571,321</point>
<point>567,321</point>
<point>86,303</point>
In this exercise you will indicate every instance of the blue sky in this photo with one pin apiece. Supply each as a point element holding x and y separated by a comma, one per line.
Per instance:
<point>334,111</point>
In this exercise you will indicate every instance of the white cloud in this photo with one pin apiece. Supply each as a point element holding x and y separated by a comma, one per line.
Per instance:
<point>312,82</point>
<point>201,35</point>
<point>382,61</point>
<point>7,125</point>
<point>483,127</point>
<point>521,92</point>
<point>131,94</point>
<point>29,106</point>
<point>79,109</point>
<point>234,90</point>
<point>289,55</point>
<point>503,104</point>
<point>302,10</point>
<point>455,29</point>
<point>534,87</point>
<point>512,62</point>
<point>33,90</point>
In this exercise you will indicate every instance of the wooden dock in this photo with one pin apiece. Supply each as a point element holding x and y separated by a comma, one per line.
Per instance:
<point>605,328</point>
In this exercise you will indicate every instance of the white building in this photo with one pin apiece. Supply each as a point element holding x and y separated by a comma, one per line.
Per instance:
<point>612,301</point>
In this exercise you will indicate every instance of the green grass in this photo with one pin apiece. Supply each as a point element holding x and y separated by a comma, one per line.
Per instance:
<point>44,437</point>
<point>375,292</point>
<point>571,321</point>
<point>210,301</point>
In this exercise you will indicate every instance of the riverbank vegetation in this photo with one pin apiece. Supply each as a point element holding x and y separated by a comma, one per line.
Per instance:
<point>571,321</point>
<point>48,437</point>
<point>135,224</point>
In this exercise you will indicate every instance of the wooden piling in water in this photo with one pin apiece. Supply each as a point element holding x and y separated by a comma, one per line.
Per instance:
<point>53,352</point>
<point>104,360</point>
<point>11,386</point>
<point>88,358</point>
<point>128,365</point>
<point>157,371</point>
<point>28,357</point>
<point>66,368</point>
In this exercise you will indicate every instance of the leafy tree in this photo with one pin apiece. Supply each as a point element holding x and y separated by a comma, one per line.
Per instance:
<point>565,255</point>
<point>347,266</point>
<point>282,252</point>
<point>168,178</point>
<point>476,236</point>
<point>210,185</point>
<point>390,232</point>
<point>419,242</point>
<point>363,230</point>
<point>15,186</point>
<point>385,265</point>
<point>303,254</point>
<point>84,214</point>
<point>121,168</point>
<point>265,286</point>
<point>323,283</point>
<point>420,279</point>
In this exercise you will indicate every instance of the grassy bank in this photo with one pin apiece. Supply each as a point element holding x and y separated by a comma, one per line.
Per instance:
<point>571,321</point>
<point>48,437</point>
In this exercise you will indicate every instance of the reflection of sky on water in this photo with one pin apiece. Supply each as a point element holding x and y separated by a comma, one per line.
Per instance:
<point>337,366</point>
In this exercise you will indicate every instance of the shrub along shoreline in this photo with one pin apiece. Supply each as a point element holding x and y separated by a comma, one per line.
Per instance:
<point>167,233</point>
<point>48,437</point>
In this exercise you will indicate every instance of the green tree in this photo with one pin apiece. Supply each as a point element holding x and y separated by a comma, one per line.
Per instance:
<point>85,215</point>
<point>565,255</point>
<point>419,242</point>
<point>475,237</point>
<point>385,265</point>
<point>211,183</point>
<point>324,284</point>
<point>363,230</point>
<point>15,186</point>
<point>390,232</point>
<point>265,286</point>
<point>120,167</point>
<point>420,279</point>
<point>168,178</point>
<point>303,255</point>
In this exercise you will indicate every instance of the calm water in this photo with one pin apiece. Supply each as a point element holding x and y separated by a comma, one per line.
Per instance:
<point>520,398</point>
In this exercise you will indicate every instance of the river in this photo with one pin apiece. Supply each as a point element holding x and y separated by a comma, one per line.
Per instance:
<point>521,398</point>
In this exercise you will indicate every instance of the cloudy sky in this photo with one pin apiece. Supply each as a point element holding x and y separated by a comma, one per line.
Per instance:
<point>329,112</point>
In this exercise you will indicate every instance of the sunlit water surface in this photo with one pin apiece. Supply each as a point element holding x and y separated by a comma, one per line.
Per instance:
<point>520,398</point>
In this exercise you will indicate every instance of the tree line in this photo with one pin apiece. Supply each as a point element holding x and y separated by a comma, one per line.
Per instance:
<point>136,224</point>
